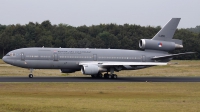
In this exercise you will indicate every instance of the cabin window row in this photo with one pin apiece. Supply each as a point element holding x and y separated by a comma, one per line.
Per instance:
<point>31,56</point>
<point>75,56</point>
<point>87,57</point>
<point>120,57</point>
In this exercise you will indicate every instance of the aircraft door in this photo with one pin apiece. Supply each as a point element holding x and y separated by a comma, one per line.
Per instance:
<point>95,57</point>
<point>55,55</point>
<point>143,58</point>
<point>22,56</point>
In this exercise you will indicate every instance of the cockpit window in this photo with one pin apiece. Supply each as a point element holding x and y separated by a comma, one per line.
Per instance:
<point>10,54</point>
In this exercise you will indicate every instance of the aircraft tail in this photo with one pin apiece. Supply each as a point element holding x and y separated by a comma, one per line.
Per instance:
<point>163,41</point>
<point>167,32</point>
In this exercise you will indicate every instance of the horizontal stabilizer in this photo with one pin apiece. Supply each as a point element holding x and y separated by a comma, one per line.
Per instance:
<point>171,55</point>
<point>177,41</point>
<point>122,63</point>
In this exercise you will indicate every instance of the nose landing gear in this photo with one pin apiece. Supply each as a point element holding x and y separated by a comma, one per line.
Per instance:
<point>30,75</point>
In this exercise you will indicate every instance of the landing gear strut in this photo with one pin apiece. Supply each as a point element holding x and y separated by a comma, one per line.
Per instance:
<point>30,75</point>
<point>111,75</point>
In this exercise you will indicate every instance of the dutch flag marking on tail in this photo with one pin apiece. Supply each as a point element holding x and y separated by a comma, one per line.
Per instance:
<point>160,44</point>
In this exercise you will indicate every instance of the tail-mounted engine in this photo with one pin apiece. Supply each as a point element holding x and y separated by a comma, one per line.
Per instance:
<point>160,45</point>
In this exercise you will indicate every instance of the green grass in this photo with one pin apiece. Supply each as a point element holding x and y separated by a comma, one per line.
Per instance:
<point>174,68</point>
<point>99,97</point>
<point>103,97</point>
<point>1,61</point>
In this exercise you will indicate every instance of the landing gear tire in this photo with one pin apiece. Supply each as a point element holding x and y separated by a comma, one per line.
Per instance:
<point>99,75</point>
<point>30,75</point>
<point>106,76</point>
<point>114,76</point>
<point>110,76</point>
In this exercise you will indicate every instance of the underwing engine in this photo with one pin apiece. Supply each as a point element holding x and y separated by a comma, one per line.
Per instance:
<point>92,69</point>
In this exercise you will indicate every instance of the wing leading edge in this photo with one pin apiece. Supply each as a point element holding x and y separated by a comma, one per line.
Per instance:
<point>122,63</point>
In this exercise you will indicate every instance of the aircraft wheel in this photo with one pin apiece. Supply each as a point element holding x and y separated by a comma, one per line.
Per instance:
<point>114,76</point>
<point>30,76</point>
<point>99,75</point>
<point>93,76</point>
<point>106,75</point>
<point>110,76</point>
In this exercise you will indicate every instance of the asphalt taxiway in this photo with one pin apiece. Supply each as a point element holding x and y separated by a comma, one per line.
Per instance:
<point>89,79</point>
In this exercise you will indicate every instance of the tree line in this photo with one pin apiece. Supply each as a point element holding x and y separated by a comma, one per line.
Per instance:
<point>111,36</point>
<point>196,29</point>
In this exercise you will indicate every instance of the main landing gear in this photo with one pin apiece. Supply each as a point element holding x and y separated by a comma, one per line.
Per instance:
<point>106,75</point>
<point>99,75</point>
<point>31,74</point>
<point>110,76</point>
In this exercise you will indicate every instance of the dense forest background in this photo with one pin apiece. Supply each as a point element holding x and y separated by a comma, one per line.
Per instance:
<point>111,36</point>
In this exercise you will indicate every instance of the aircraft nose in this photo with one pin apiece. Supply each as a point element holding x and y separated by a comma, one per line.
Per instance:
<point>5,59</point>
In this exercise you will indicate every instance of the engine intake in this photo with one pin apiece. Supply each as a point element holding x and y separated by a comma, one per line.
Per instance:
<point>159,45</point>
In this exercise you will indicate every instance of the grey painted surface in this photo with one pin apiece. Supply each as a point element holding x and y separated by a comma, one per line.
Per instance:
<point>93,61</point>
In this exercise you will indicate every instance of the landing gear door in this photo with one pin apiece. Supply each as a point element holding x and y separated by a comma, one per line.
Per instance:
<point>22,56</point>
<point>55,55</point>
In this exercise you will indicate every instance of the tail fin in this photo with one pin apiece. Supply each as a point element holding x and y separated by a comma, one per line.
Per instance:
<point>167,32</point>
<point>163,41</point>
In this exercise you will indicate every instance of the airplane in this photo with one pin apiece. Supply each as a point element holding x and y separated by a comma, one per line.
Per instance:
<point>95,62</point>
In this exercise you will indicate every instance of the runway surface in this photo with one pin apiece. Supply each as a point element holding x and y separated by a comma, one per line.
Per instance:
<point>89,79</point>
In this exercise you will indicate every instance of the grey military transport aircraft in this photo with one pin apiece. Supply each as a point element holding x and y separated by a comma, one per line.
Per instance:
<point>96,61</point>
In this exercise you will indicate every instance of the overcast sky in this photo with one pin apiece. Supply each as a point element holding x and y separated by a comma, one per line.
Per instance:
<point>94,12</point>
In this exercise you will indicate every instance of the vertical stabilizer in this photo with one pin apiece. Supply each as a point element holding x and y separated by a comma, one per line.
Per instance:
<point>167,32</point>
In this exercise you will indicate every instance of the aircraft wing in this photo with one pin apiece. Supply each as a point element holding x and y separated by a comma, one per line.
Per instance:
<point>110,63</point>
<point>170,55</point>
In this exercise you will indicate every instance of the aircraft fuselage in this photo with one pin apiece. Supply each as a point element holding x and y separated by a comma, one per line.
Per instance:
<point>69,58</point>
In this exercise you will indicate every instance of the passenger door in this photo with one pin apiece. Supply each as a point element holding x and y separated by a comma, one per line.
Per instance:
<point>55,55</point>
<point>22,56</point>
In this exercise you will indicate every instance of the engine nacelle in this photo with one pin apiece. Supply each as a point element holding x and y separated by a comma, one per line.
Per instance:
<point>67,70</point>
<point>92,69</point>
<point>158,45</point>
